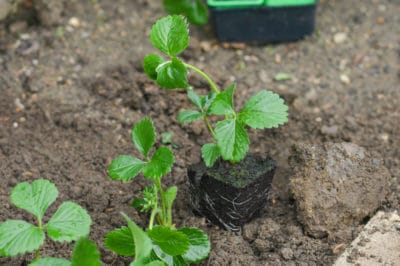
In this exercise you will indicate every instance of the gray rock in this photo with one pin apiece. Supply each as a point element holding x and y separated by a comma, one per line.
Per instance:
<point>335,186</point>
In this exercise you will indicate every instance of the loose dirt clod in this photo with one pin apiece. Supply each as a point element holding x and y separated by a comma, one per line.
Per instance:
<point>336,185</point>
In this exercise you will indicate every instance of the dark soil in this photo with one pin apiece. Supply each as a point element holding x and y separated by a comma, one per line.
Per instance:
<point>69,97</point>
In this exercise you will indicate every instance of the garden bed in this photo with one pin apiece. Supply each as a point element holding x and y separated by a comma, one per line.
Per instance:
<point>69,97</point>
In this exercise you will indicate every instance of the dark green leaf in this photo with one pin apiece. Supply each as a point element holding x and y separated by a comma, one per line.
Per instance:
<point>160,164</point>
<point>125,167</point>
<point>170,35</point>
<point>188,116</point>
<point>210,153</point>
<point>70,222</point>
<point>85,253</point>
<point>232,140</point>
<point>223,102</point>
<point>155,263</point>
<point>143,245</point>
<point>264,110</point>
<point>150,64</point>
<point>34,198</point>
<point>49,261</point>
<point>120,241</point>
<point>137,203</point>
<point>144,135</point>
<point>170,241</point>
<point>197,13</point>
<point>168,259</point>
<point>170,195</point>
<point>172,75</point>
<point>19,237</point>
<point>199,245</point>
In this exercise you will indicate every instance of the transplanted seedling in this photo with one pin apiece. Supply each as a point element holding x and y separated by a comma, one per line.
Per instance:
<point>162,243</point>
<point>69,223</point>
<point>170,35</point>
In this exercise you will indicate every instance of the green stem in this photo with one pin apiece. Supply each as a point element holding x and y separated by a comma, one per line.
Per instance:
<point>37,253</point>
<point>163,210</point>
<point>205,76</point>
<point>210,129</point>
<point>152,216</point>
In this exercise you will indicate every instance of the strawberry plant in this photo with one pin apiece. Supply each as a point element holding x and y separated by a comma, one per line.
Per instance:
<point>195,10</point>
<point>69,223</point>
<point>170,35</point>
<point>162,243</point>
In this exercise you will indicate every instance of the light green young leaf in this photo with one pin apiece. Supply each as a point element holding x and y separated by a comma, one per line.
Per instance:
<point>170,241</point>
<point>188,116</point>
<point>155,263</point>
<point>85,253</point>
<point>282,77</point>
<point>70,222</point>
<point>210,153</point>
<point>144,136</point>
<point>160,164</point>
<point>195,98</point>
<point>170,35</point>
<point>199,245</point>
<point>166,137</point>
<point>19,237</point>
<point>36,197</point>
<point>232,140</point>
<point>49,261</point>
<point>264,110</point>
<point>120,241</point>
<point>172,75</point>
<point>223,102</point>
<point>125,167</point>
<point>143,245</point>
<point>150,64</point>
<point>170,195</point>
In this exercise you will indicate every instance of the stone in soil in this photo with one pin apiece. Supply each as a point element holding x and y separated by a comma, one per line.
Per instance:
<point>377,244</point>
<point>336,186</point>
<point>230,195</point>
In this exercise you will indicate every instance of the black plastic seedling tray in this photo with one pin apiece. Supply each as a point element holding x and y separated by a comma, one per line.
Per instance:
<point>263,24</point>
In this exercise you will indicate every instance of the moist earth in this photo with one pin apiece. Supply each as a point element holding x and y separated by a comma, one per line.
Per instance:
<point>70,94</point>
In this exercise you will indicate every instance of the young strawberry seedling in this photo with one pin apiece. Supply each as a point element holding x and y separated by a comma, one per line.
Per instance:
<point>230,140</point>
<point>162,243</point>
<point>69,223</point>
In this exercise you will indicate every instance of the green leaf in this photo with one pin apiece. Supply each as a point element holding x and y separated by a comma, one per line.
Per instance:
<point>207,101</point>
<point>197,13</point>
<point>143,245</point>
<point>85,253</point>
<point>282,77</point>
<point>195,98</point>
<point>49,261</point>
<point>70,222</point>
<point>170,195</point>
<point>160,164</point>
<point>223,102</point>
<point>36,197</point>
<point>232,140</point>
<point>170,241</point>
<point>155,263</point>
<point>264,110</point>
<point>150,64</point>
<point>125,167</point>
<point>210,153</point>
<point>144,136</point>
<point>168,259</point>
<point>170,35</point>
<point>18,237</point>
<point>188,116</point>
<point>172,75</point>
<point>120,241</point>
<point>199,245</point>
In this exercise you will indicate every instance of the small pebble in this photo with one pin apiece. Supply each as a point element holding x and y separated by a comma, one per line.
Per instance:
<point>345,79</point>
<point>74,22</point>
<point>15,124</point>
<point>339,37</point>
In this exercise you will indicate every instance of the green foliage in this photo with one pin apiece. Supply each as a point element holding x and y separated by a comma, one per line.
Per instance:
<point>126,167</point>
<point>264,110</point>
<point>194,10</point>
<point>70,222</point>
<point>46,261</point>
<point>161,244</point>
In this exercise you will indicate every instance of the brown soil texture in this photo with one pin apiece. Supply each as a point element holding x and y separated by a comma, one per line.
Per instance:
<point>69,96</point>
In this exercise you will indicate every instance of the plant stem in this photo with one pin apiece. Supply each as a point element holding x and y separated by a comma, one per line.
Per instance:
<point>205,76</point>
<point>209,127</point>
<point>163,211</point>
<point>152,216</point>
